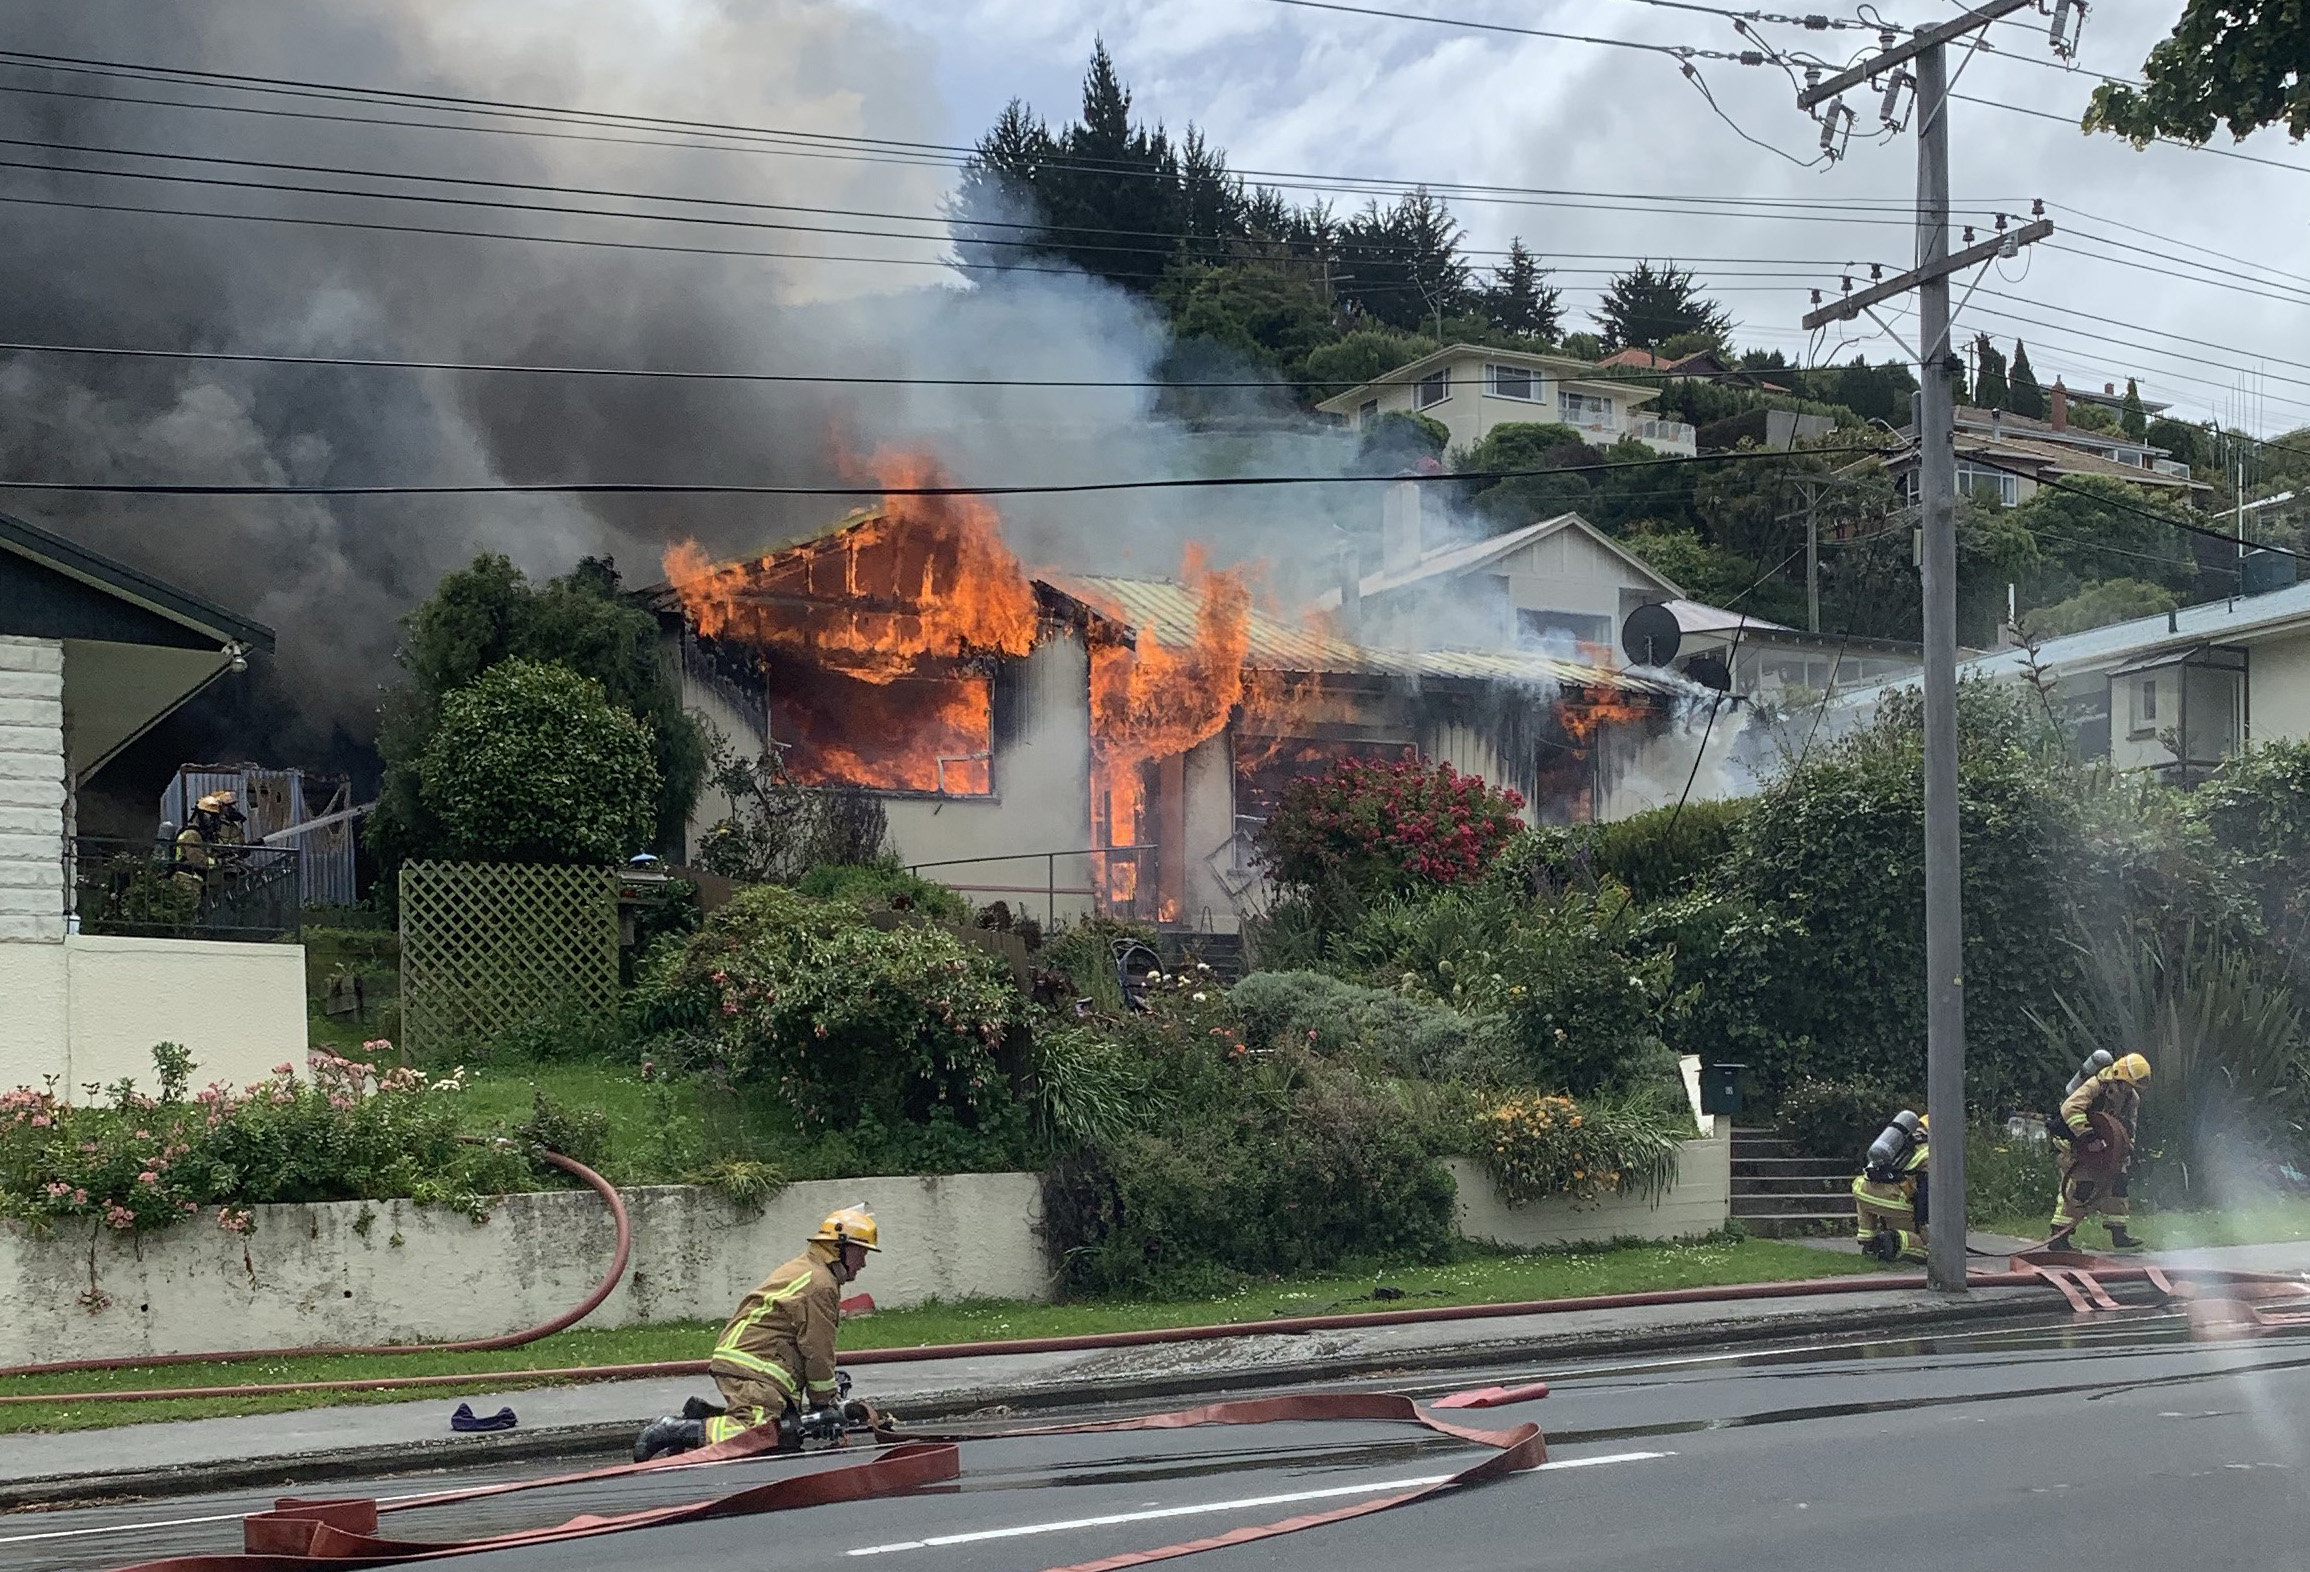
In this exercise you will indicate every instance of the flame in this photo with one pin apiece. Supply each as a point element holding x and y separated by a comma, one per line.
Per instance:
<point>871,630</point>
<point>1585,711</point>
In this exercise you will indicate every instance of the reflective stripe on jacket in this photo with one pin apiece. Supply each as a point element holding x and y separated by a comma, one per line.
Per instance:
<point>2109,1092</point>
<point>784,1329</point>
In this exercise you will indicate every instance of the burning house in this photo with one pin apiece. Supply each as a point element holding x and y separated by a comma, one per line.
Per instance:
<point>1070,740</point>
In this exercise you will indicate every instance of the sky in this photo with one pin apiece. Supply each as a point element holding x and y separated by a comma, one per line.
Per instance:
<point>1311,91</point>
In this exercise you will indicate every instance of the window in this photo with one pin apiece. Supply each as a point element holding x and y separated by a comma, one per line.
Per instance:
<point>2007,487</point>
<point>1583,409</point>
<point>1367,412</point>
<point>1577,626</point>
<point>1433,388</point>
<point>2145,718</point>
<point>1513,382</point>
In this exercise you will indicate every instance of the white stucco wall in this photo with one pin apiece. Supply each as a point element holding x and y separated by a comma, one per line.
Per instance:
<point>1208,774</point>
<point>390,1271</point>
<point>1042,800</point>
<point>2278,689</point>
<point>1698,1203</point>
<point>32,790</point>
<point>91,1007</point>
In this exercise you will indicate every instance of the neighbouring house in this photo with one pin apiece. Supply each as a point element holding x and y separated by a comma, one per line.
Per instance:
<point>2171,695</point>
<point>104,952</point>
<point>315,813</point>
<point>1071,742</point>
<point>2009,456</point>
<point>1559,579</point>
<point>1763,661</point>
<point>1469,390</point>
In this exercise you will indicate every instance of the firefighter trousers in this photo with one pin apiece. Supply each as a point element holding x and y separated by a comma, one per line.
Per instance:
<point>1878,1207</point>
<point>2086,1191</point>
<point>749,1400</point>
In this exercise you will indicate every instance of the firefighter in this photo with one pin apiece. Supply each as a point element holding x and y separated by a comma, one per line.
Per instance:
<point>216,821</point>
<point>1890,1194</point>
<point>776,1357</point>
<point>2099,1121</point>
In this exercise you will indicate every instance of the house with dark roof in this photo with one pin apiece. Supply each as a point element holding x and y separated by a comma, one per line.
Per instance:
<point>105,950</point>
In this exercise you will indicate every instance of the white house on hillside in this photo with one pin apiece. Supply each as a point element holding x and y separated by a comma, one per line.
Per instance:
<point>1469,390</point>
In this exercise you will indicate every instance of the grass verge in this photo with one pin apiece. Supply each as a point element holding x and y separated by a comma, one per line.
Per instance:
<point>1475,1279</point>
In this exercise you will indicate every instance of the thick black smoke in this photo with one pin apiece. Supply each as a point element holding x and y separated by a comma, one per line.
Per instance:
<point>334,575</point>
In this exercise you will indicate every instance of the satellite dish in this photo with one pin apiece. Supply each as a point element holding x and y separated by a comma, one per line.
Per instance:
<point>1650,636</point>
<point>1710,671</point>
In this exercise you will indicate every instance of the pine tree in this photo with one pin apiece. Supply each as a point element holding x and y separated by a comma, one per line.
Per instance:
<point>1646,306</point>
<point>2028,397</point>
<point>1402,264</point>
<point>2133,420</point>
<point>1520,300</point>
<point>1989,386</point>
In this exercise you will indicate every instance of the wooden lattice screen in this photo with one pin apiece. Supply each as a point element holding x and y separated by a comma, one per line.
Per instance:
<point>490,946</point>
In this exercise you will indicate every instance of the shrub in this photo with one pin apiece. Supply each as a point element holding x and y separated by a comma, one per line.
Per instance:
<point>883,886</point>
<point>532,763</point>
<point>345,1133</point>
<point>1655,855</point>
<point>2257,806</point>
<point>847,1019</point>
<point>1838,1119</point>
<point>2008,1179</point>
<point>1364,828</point>
<point>1380,1031</point>
<point>1087,1087</point>
<point>1084,954</point>
<point>1543,1145</point>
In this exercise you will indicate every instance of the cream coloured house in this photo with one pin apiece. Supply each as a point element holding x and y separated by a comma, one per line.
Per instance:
<point>1469,390</point>
<point>93,653</point>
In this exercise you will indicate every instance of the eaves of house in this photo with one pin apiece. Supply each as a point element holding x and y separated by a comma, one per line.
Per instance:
<point>1446,562</point>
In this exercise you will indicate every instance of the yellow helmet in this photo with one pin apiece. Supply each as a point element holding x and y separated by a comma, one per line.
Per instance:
<point>1925,1122</point>
<point>215,802</point>
<point>2133,1067</point>
<point>850,1225</point>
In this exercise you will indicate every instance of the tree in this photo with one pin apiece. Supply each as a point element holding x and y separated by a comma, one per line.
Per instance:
<point>1520,300</point>
<point>1359,357</point>
<point>2093,527</point>
<point>2028,398</point>
<point>534,763</point>
<point>2187,443</point>
<point>2098,605</point>
<point>2133,420</point>
<point>1256,312</point>
<point>1531,445</point>
<point>2240,63</point>
<point>488,613</point>
<point>1989,386</point>
<point>1401,265</point>
<point>1649,305</point>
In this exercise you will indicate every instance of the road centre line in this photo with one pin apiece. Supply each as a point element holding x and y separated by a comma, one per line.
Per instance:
<point>1244,1503</point>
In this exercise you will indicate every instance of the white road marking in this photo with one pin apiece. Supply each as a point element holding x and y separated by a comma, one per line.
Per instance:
<point>1244,1503</point>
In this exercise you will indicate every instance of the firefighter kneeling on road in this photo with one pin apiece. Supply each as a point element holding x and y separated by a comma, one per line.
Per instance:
<point>775,1360</point>
<point>2099,1118</point>
<point>1889,1197</point>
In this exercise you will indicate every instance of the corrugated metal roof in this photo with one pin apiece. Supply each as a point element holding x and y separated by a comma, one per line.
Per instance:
<point>1170,612</point>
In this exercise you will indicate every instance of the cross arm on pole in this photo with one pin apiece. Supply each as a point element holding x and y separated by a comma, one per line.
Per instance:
<point>1926,38</point>
<point>1851,306</point>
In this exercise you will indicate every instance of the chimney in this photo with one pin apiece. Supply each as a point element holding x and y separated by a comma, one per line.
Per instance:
<point>1351,589</point>
<point>2060,406</point>
<point>1403,528</point>
<point>2110,388</point>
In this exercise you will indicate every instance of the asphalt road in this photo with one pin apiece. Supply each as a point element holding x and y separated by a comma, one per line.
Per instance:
<point>2119,1444</point>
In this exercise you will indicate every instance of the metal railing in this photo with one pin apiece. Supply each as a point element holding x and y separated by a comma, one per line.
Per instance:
<point>1671,431</point>
<point>160,890</point>
<point>1120,880</point>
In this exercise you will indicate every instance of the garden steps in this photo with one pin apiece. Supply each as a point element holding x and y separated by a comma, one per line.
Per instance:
<point>1777,1193</point>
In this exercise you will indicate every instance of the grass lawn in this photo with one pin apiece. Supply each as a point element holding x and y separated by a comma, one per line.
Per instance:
<point>1477,1279</point>
<point>2275,1219</point>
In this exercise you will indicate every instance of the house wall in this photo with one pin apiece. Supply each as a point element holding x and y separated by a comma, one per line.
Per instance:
<point>90,1007</point>
<point>1566,571</point>
<point>1042,800</point>
<point>32,792</point>
<point>2278,689</point>
<point>1472,409</point>
<point>1210,903</point>
<point>744,732</point>
<point>1473,752</point>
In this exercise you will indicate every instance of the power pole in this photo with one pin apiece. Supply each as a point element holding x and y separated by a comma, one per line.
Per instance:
<point>1937,486</point>
<point>1812,572</point>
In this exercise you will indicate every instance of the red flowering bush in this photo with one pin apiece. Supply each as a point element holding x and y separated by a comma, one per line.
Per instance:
<point>1374,827</point>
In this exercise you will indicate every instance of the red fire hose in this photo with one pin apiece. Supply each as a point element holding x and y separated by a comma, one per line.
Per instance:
<point>474,1345</point>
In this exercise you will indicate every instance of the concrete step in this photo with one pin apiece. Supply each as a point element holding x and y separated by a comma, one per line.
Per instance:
<point>1814,1203</point>
<point>1789,1225</point>
<point>1792,1165</point>
<point>1792,1184</point>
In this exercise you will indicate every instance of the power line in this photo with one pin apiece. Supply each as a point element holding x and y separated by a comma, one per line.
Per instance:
<point>2129,507</point>
<point>2163,141</point>
<point>713,488</point>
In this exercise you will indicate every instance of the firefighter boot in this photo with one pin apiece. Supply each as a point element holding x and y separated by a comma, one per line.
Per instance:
<point>664,1437</point>
<point>1885,1245</point>
<point>2121,1239</point>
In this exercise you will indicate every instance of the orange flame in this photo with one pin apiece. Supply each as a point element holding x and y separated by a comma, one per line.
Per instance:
<point>1583,712</point>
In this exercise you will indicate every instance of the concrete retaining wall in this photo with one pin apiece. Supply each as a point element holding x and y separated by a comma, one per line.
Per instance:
<point>1698,1203</point>
<point>388,1271</point>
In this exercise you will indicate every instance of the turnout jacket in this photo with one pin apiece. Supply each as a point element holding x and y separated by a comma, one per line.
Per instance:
<point>784,1330</point>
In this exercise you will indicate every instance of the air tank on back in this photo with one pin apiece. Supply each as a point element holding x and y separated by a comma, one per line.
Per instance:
<point>1892,1146</point>
<point>2096,1062</point>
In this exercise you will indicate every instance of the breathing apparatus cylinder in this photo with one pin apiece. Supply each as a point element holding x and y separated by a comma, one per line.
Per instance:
<point>2096,1062</point>
<point>1892,1147</point>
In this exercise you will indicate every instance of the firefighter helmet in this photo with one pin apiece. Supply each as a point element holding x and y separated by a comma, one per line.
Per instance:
<point>2133,1067</point>
<point>850,1225</point>
<point>215,802</point>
